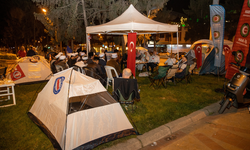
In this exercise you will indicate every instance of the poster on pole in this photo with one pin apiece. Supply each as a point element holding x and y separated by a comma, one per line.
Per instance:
<point>241,42</point>
<point>131,52</point>
<point>217,21</point>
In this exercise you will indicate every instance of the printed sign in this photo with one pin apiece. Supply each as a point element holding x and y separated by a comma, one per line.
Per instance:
<point>58,85</point>
<point>17,73</point>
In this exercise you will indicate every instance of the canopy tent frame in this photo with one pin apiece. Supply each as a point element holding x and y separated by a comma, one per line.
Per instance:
<point>132,21</point>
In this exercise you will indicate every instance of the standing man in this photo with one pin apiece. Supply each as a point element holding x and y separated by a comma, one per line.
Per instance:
<point>153,62</point>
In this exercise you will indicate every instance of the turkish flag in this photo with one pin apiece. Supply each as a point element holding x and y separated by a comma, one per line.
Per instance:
<point>198,55</point>
<point>17,73</point>
<point>131,52</point>
<point>227,52</point>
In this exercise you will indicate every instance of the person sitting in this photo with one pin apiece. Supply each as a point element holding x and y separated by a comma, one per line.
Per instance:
<point>22,52</point>
<point>180,73</point>
<point>32,52</point>
<point>72,59</point>
<point>91,57</point>
<point>144,59</point>
<point>171,61</point>
<point>126,89</point>
<point>102,62</point>
<point>62,64</point>
<point>98,74</point>
<point>124,60</point>
<point>153,62</point>
<point>54,61</point>
<point>80,56</point>
<point>112,62</point>
<point>82,62</point>
<point>126,73</point>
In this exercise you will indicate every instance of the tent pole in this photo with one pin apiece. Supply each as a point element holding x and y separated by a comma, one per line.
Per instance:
<point>177,45</point>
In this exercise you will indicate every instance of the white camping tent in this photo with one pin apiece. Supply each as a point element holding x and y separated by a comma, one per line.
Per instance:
<point>31,69</point>
<point>76,111</point>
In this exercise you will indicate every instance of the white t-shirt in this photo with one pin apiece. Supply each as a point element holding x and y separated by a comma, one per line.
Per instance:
<point>154,58</point>
<point>170,61</point>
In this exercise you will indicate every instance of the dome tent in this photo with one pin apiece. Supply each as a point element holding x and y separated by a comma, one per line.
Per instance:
<point>76,112</point>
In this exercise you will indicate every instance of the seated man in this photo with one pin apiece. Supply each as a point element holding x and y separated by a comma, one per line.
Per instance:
<point>112,62</point>
<point>126,89</point>
<point>171,61</point>
<point>62,64</point>
<point>153,62</point>
<point>181,68</point>
<point>126,73</point>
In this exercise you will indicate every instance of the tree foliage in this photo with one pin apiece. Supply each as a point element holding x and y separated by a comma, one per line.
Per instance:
<point>199,18</point>
<point>65,20</point>
<point>19,21</point>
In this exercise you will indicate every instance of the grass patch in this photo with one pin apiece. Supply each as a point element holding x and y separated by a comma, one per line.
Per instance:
<point>157,107</point>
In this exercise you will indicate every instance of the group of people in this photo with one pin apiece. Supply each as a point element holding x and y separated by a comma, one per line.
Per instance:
<point>91,64</point>
<point>31,51</point>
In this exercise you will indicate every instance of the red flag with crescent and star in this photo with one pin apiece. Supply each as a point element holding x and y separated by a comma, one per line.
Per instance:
<point>131,52</point>
<point>198,55</point>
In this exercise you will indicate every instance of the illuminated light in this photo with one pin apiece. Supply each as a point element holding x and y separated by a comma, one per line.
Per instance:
<point>99,34</point>
<point>117,48</point>
<point>180,45</point>
<point>126,48</point>
<point>44,10</point>
<point>188,45</point>
<point>106,46</point>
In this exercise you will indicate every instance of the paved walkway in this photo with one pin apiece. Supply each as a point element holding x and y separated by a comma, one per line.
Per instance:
<point>227,131</point>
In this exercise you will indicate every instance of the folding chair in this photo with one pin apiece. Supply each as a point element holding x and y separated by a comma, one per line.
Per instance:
<point>157,81</point>
<point>192,67</point>
<point>186,77</point>
<point>110,77</point>
<point>170,74</point>
<point>126,92</point>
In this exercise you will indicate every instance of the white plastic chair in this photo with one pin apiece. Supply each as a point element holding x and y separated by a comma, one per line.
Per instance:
<point>192,67</point>
<point>110,76</point>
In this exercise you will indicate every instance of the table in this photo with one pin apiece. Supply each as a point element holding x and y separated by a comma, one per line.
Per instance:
<point>6,93</point>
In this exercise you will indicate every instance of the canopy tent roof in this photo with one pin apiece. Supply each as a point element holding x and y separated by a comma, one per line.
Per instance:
<point>132,21</point>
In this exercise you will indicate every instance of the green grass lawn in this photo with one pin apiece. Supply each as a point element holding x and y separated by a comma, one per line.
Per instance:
<point>157,107</point>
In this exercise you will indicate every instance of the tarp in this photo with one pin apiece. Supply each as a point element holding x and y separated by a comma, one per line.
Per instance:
<point>76,112</point>
<point>132,21</point>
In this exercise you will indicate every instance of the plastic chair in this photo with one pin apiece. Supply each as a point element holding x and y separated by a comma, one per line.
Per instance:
<point>192,67</point>
<point>110,76</point>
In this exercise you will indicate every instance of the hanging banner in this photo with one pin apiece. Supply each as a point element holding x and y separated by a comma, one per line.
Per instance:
<point>227,53</point>
<point>131,52</point>
<point>17,73</point>
<point>217,21</point>
<point>198,55</point>
<point>241,41</point>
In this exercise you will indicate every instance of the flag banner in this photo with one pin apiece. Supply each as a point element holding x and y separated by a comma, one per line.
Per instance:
<point>217,21</point>
<point>17,73</point>
<point>241,41</point>
<point>131,52</point>
<point>69,50</point>
<point>227,52</point>
<point>198,55</point>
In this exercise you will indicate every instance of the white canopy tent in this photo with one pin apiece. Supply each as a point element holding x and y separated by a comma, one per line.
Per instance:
<point>132,21</point>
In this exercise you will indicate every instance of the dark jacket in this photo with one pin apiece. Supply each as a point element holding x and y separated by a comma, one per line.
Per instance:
<point>102,63</point>
<point>113,63</point>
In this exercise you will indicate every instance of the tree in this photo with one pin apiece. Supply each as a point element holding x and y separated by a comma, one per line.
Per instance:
<point>198,21</point>
<point>65,19</point>
<point>19,26</point>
